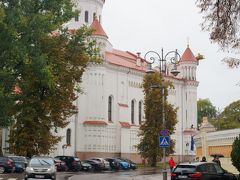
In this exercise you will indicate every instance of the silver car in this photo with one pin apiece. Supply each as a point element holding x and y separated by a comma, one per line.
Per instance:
<point>41,168</point>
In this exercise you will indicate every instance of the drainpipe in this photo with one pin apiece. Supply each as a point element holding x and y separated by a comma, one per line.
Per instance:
<point>76,126</point>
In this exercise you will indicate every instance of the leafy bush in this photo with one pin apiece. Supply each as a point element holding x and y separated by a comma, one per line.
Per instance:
<point>235,155</point>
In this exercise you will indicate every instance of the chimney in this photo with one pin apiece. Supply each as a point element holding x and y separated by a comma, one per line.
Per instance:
<point>138,62</point>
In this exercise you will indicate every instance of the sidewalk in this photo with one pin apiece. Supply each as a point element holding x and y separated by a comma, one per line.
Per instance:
<point>151,177</point>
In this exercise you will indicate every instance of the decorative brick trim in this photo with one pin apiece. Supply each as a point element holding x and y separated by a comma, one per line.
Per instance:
<point>94,122</point>
<point>125,124</point>
<point>123,105</point>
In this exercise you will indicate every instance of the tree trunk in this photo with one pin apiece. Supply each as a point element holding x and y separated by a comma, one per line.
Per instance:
<point>154,161</point>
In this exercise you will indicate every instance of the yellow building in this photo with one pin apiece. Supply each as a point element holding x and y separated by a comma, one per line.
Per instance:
<point>209,141</point>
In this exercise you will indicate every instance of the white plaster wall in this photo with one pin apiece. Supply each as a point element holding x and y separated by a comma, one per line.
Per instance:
<point>70,150</point>
<point>100,81</point>
<point>125,140</point>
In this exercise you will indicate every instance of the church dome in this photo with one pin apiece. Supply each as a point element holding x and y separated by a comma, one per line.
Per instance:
<point>188,55</point>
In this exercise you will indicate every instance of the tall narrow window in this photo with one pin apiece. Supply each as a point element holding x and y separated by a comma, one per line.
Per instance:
<point>140,112</point>
<point>110,108</point>
<point>86,16</point>
<point>77,17</point>
<point>132,111</point>
<point>68,137</point>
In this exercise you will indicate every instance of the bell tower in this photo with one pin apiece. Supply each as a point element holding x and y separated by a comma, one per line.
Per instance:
<point>89,9</point>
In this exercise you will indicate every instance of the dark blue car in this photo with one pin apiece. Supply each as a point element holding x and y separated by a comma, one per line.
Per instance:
<point>20,163</point>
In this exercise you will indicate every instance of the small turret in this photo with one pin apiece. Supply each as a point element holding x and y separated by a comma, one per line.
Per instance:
<point>101,37</point>
<point>188,65</point>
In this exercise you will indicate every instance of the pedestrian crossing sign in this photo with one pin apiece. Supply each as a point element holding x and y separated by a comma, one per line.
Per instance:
<point>164,141</point>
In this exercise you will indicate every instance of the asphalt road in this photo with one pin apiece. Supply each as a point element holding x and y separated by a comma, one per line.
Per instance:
<point>139,174</point>
<point>122,175</point>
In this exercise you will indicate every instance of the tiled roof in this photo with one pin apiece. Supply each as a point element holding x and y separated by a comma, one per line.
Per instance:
<point>95,122</point>
<point>188,55</point>
<point>97,27</point>
<point>125,59</point>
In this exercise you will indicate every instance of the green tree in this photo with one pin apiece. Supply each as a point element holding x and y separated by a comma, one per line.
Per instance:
<point>229,118</point>
<point>205,109</point>
<point>235,155</point>
<point>46,66</point>
<point>150,129</point>
<point>221,19</point>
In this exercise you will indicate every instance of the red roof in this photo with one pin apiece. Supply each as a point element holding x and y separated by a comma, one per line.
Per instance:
<point>188,55</point>
<point>94,122</point>
<point>98,30</point>
<point>124,124</point>
<point>125,59</point>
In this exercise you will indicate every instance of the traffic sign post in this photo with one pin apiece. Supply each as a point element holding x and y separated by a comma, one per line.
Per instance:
<point>164,141</point>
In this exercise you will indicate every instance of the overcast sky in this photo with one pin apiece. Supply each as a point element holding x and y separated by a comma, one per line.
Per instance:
<point>142,25</point>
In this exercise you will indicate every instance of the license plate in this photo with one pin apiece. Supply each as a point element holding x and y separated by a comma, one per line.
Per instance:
<point>39,176</point>
<point>182,176</point>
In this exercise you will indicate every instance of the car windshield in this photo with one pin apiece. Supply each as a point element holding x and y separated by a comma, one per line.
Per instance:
<point>41,161</point>
<point>185,168</point>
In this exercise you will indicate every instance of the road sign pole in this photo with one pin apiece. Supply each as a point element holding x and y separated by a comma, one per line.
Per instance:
<point>164,127</point>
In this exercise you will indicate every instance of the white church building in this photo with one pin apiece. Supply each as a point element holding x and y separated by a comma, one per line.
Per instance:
<point>111,107</point>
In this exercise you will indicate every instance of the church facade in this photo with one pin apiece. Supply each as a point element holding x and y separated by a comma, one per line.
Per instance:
<point>111,107</point>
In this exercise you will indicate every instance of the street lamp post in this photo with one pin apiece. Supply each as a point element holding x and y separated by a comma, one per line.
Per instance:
<point>152,57</point>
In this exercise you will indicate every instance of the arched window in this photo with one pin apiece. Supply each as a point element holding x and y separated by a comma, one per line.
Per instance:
<point>132,111</point>
<point>86,16</point>
<point>110,108</point>
<point>140,112</point>
<point>68,137</point>
<point>77,17</point>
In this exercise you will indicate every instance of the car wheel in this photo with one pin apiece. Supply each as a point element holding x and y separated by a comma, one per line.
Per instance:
<point>2,169</point>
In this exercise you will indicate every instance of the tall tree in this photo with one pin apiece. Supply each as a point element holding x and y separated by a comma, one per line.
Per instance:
<point>229,118</point>
<point>150,129</point>
<point>221,19</point>
<point>205,109</point>
<point>46,68</point>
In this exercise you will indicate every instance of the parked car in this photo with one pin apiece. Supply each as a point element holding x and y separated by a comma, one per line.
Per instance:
<point>114,163</point>
<point>106,164</point>
<point>6,165</point>
<point>96,165</point>
<point>201,171</point>
<point>86,166</point>
<point>60,165</point>
<point>40,168</point>
<point>132,164</point>
<point>73,163</point>
<point>20,163</point>
<point>123,164</point>
<point>117,163</point>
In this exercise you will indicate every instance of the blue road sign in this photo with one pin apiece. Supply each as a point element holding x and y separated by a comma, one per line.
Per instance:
<point>164,141</point>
